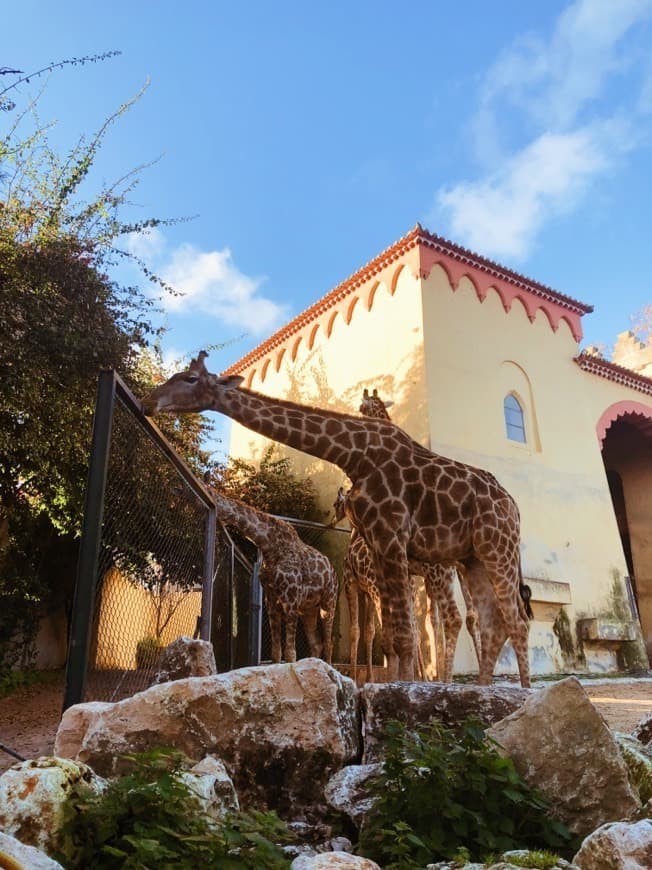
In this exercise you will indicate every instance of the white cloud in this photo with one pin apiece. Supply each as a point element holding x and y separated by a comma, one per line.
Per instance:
<point>549,95</point>
<point>210,283</point>
<point>207,282</point>
<point>501,214</point>
<point>147,245</point>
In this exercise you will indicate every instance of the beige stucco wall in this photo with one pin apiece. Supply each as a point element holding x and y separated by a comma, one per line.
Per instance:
<point>451,399</point>
<point>477,354</point>
<point>128,614</point>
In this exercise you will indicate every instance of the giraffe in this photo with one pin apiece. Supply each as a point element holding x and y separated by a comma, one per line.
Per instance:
<point>407,501</point>
<point>358,575</point>
<point>438,579</point>
<point>297,580</point>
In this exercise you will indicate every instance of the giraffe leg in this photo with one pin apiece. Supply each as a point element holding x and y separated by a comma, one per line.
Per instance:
<point>452,621</point>
<point>369,634</point>
<point>327,609</point>
<point>395,586</point>
<point>290,637</point>
<point>309,621</point>
<point>275,615</point>
<point>492,627</point>
<point>472,618</point>
<point>351,590</point>
<point>506,587</point>
<point>388,634</point>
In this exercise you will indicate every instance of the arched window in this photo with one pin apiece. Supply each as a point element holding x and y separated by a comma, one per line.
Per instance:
<point>514,419</point>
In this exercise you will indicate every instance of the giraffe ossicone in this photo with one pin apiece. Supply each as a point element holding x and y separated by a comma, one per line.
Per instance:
<point>407,501</point>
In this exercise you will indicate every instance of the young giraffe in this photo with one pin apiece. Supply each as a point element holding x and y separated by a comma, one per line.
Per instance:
<point>404,499</point>
<point>297,580</point>
<point>438,579</point>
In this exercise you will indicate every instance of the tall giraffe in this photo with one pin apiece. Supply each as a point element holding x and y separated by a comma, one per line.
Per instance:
<point>404,499</point>
<point>297,580</point>
<point>438,579</point>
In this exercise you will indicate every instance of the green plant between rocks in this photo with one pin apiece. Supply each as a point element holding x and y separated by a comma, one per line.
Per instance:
<point>442,791</point>
<point>149,819</point>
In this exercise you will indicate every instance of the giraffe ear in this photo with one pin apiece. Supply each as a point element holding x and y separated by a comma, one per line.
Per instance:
<point>388,403</point>
<point>229,382</point>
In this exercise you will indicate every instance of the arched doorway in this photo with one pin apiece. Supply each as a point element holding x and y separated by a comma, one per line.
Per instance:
<point>625,432</point>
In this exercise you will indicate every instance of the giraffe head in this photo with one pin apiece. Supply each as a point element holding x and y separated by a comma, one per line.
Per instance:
<point>373,406</point>
<point>191,390</point>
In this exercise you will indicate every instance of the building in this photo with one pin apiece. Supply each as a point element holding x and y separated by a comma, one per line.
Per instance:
<point>483,365</point>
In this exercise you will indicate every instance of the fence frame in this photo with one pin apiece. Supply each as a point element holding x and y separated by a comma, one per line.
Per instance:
<point>111,386</point>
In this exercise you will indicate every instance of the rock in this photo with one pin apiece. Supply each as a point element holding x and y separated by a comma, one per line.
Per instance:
<point>186,657</point>
<point>521,854</point>
<point>281,730</point>
<point>643,731</point>
<point>333,861</point>
<point>75,721</point>
<point>346,792</point>
<point>211,783</point>
<point>415,704</point>
<point>341,844</point>
<point>618,845</point>
<point>638,759</point>
<point>32,795</point>
<point>26,857</point>
<point>560,744</point>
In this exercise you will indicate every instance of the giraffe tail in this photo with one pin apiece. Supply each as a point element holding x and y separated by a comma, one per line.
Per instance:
<point>526,594</point>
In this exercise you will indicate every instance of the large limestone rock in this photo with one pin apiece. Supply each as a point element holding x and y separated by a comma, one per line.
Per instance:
<point>282,730</point>
<point>32,795</point>
<point>416,704</point>
<point>25,857</point>
<point>617,846</point>
<point>333,861</point>
<point>186,657</point>
<point>347,791</point>
<point>77,720</point>
<point>560,744</point>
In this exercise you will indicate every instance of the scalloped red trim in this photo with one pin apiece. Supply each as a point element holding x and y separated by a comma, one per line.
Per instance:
<point>419,250</point>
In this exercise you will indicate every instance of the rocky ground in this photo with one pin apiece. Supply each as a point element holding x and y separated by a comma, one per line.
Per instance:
<point>30,716</point>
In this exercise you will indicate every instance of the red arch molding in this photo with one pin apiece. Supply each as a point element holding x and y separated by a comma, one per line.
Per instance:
<point>621,409</point>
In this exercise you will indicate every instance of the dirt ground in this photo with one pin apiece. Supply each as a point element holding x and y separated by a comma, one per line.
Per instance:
<point>30,716</point>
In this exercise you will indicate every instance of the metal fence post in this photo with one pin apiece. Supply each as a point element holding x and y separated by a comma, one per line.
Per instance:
<point>255,613</point>
<point>87,565</point>
<point>208,579</point>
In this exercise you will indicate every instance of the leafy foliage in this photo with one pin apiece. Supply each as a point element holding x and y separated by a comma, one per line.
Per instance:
<point>62,318</point>
<point>441,790</point>
<point>151,819</point>
<point>271,487</point>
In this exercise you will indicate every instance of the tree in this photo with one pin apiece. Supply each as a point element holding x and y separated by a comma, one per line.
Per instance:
<point>642,323</point>
<point>62,318</point>
<point>271,487</point>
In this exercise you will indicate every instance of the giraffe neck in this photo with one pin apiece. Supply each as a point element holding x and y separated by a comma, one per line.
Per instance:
<point>259,527</point>
<point>338,438</point>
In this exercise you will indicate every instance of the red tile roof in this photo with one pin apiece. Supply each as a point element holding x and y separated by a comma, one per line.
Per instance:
<point>485,271</point>
<point>595,365</point>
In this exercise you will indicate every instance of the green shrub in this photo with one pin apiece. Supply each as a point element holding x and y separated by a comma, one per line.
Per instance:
<point>441,791</point>
<point>148,650</point>
<point>150,820</point>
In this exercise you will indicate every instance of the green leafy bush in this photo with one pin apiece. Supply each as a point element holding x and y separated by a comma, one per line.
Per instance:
<point>148,650</point>
<point>151,819</point>
<point>442,791</point>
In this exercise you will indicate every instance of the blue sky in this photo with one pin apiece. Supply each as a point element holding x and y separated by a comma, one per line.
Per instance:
<point>307,137</point>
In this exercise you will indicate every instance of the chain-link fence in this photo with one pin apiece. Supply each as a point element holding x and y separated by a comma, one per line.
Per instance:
<point>154,565</point>
<point>146,556</point>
